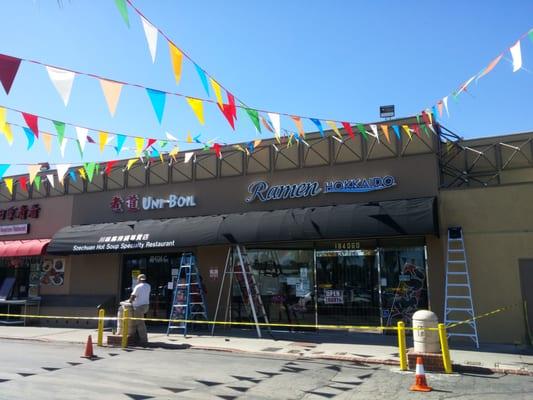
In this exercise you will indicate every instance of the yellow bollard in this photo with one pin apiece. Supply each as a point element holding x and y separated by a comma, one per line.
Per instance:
<point>101,316</point>
<point>125,328</point>
<point>445,350</point>
<point>402,346</point>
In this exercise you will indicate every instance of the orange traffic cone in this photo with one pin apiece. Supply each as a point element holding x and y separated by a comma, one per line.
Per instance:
<point>420,378</point>
<point>89,349</point>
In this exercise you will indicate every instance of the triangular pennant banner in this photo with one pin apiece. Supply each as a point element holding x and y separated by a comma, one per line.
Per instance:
<point>385,129</point>
<point>3,169</point>
<point>516,53</point>
<point>81,133</point>
<point>109,167</point>
<point>111,92</point>
<point>158,99</point>
<point>130,163</point>
<point>139,145</point>
<point>348,128</point>
<point>8,70</point>
<point>362,130</point>
<point>63,147</point>
<point>123,9</point>
<point>299,126</point>
<point>60,129</point>
<point>33,170</point>
<point>3,114</point>
<point>266,124</point>
<point>174,152</point>
<point>89,169</point>
<point>171,137</point>
<point>62,81</point>
<point>50,178</point>
<point>374,129</point>
<point>150,32</point>
<point>396,129</point>
<point>8,133</point>
<point>47,141</point>
<point>408,131</point>
<point>254,116</point>
<point>439,107</point>
<point>32,122</point>
<point>102,140</point>
<point>120,143</point>
<point>189,137</point>
<point>188,156</point>
<point>203,78</point>
<point>217,90</point>
<point>445,101</point>
<point>198,107</point>
<point>81,171</point>
<point>30,136</point>
<point>23,183</point>
<point>228,113</point>
<point>490,67</point>
<point>62,171</point>
<point>218,149</point>
<point>231,102</point>
<point>9,185</point>
<point>318,125</point>
<point>276,124</point>
<point>150,143</point>
<point>37,182</point>
<point>177,58</point>
<point>333,126</point>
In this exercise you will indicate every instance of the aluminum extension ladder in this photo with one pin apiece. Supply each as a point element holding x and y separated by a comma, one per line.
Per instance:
<point>458,304</point>
<point>238,268</point>
<point>188,298</point>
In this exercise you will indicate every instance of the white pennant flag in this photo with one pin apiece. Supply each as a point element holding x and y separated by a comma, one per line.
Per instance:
<point>63,147</point>
<point>62,170</point>
<point>82,136</point>
<point>445,101</point>
<point>188,156</point>
<point>276,124</point>
<point>171,137</point>
<point>50,178</point>
<point>62,81</point>
<point>517,56</point>
<point>374,128</point>
<point>151,37</point>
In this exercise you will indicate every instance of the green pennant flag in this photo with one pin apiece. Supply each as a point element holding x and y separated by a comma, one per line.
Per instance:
<point>163,143</point>
<point>60,128</point>
<point>362,129</point>
<point>37,182</point>
<point>89,169</point>
<point>123,9</point>
<point>254,116</point>
<point>97,168</point>
<point>425,129</point>
<point>530,34</point>
<point>79,148</point>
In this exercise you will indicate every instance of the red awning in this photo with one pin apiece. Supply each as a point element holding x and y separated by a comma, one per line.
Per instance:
<point>20,248</point>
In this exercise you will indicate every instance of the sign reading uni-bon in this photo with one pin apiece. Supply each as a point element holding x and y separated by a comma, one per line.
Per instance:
<point>262,191</point>
<point>133,203</point>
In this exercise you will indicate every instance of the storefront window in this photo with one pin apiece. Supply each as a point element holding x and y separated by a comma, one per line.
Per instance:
<point>20,277</point>
<point>285,279</point>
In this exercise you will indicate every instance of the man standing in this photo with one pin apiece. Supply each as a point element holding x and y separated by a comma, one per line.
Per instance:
<point>140,299</point>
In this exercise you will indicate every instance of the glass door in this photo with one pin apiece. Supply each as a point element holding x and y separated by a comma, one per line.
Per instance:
<point>348,287</point>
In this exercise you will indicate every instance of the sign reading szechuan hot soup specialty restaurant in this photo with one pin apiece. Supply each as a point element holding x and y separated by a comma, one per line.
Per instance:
<point>262,191</point>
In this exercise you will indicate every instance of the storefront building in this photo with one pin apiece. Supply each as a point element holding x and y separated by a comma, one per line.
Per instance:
<point>347,233</point>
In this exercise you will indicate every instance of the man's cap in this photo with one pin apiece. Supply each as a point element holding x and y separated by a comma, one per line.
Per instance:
<point>141,277</point>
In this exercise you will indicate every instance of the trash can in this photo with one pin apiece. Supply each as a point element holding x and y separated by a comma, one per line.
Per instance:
<point>425,341</point>
<point>131,324</point>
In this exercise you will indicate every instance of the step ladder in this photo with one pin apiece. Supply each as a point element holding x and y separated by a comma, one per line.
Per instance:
<point>239,273</point>
<point>188,298</point>
<point>458,305</point>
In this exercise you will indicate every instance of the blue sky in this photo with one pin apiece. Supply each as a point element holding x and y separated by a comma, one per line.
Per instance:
<point>332,59</point>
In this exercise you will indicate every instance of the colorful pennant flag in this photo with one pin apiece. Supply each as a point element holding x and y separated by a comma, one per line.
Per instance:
<point>374,129</point>
<point>9,67</point>
<point>111,90</point>
<point>123,9</point>
<point>396,129</point>
<point>299,126</point>
<point>120,143</point>
<point>32,122</point>
<point>8,133</point>
<point>228,113</point>
<point>385,129</point>
<point>62,148</point>
<point>217,90</point>
<point>72,175</point>
<point>89,169</point>
<point>150,32</point>
<point>177,58</point>
<point>81,133</point>
<point>198,107</point>
<point>490,67</point>
<point>3,114</point>
<point>81,171</point>
<point>188,156</point>
<point>254,116</point>
<point>362,130</point>
<point>445,102</point>
<point>60,129</point>
<point>203,78</point>
<point>50,178</point>
<point>189,137</point>
<point>37,182</point>
<point>62,81</point>
<point>158,99</point>
<point>231,102</point>
<point>102,140</point>
<point>47,141</point>
<point>174,152</point>
<point>318,125</point>
<point>33,170</point>
<point>23,183</point>
<point>333,126</point>
<point>407,130</point>
<point>276,124</point>
<point>266,124</point>
<point>9,185</point>
<point>130,163</point>
<point>62,171</point>
<point>439,107</point>
<point>170,137</point>
<point>3,169</point>
<point>218,150</point>
<point>30,136</point>
<point>348,128</point>
<point>516,53</point>
<point>150,143</point>
<point>139,145</point>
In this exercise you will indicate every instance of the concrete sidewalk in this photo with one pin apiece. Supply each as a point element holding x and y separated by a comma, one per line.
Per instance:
<point>356,347</point>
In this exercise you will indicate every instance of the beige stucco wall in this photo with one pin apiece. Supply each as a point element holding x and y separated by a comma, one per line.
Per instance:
<point>498,229</point>
<point>95,274</point>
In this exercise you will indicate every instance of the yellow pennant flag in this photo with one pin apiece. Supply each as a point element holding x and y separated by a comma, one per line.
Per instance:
<point>407,130</point>
<point>385,129</point>
<point>3,114</point>
<point>47,141</point>
<point>333,126</point>
<point>139,144</point>
<point>289,142</point>
<point>216,89</point>
<point>111,93</point>
<point>198,107</point>
<point>102,140</point>
<point>189,137</point>
<point>130,163</point>
<point>174,152</point>
<point>9,184</point>
<point>161,157</point>
<point>177,57</point>
<point>82,173</point>
<point>33,170</point>
<point>8,133</point>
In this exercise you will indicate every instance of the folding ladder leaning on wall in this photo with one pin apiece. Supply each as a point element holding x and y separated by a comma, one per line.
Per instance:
<point>188,298</point>
<point>458,304</point>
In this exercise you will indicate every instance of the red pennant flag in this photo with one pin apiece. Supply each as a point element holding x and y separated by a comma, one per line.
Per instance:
<point>31,121</point>
<point>9,67</point>
<point>109,167</point>
<point>348,128</point>
<point>23,183</point>
<point>416,128</point>
<point>228,113</point>
<point>150,143</point>
<point>425,117</point>
<point>231,101</point>
<point>217,147</point>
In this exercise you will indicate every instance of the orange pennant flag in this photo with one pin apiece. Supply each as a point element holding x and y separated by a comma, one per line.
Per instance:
<point>33,170</point>
<point>439,107</point>
<point>490,67</point>
<point>111,91</point>
<point>177,57</point>
<point>47,141</point>
<point>299,126</point>
<point>385,129</point>
<point>198,107</point>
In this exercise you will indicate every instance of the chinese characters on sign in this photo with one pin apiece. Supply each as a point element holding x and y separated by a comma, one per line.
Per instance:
<point>132,203</point>
<point>22,212</point>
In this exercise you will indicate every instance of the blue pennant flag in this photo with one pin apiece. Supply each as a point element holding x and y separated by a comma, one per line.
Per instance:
<point>72,175</point>
<point>197,138</point>
<point>203,78</point>
<point>158,100</point>
<point>250,146</point>
<point>120,142</point>
<point>3,169</point>
<point>396,131</point>
<point>435,115</point>
<point>30,136</point>
<point>318,125</point>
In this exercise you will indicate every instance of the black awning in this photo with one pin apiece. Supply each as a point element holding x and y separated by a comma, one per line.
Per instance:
<point>376,219</point>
